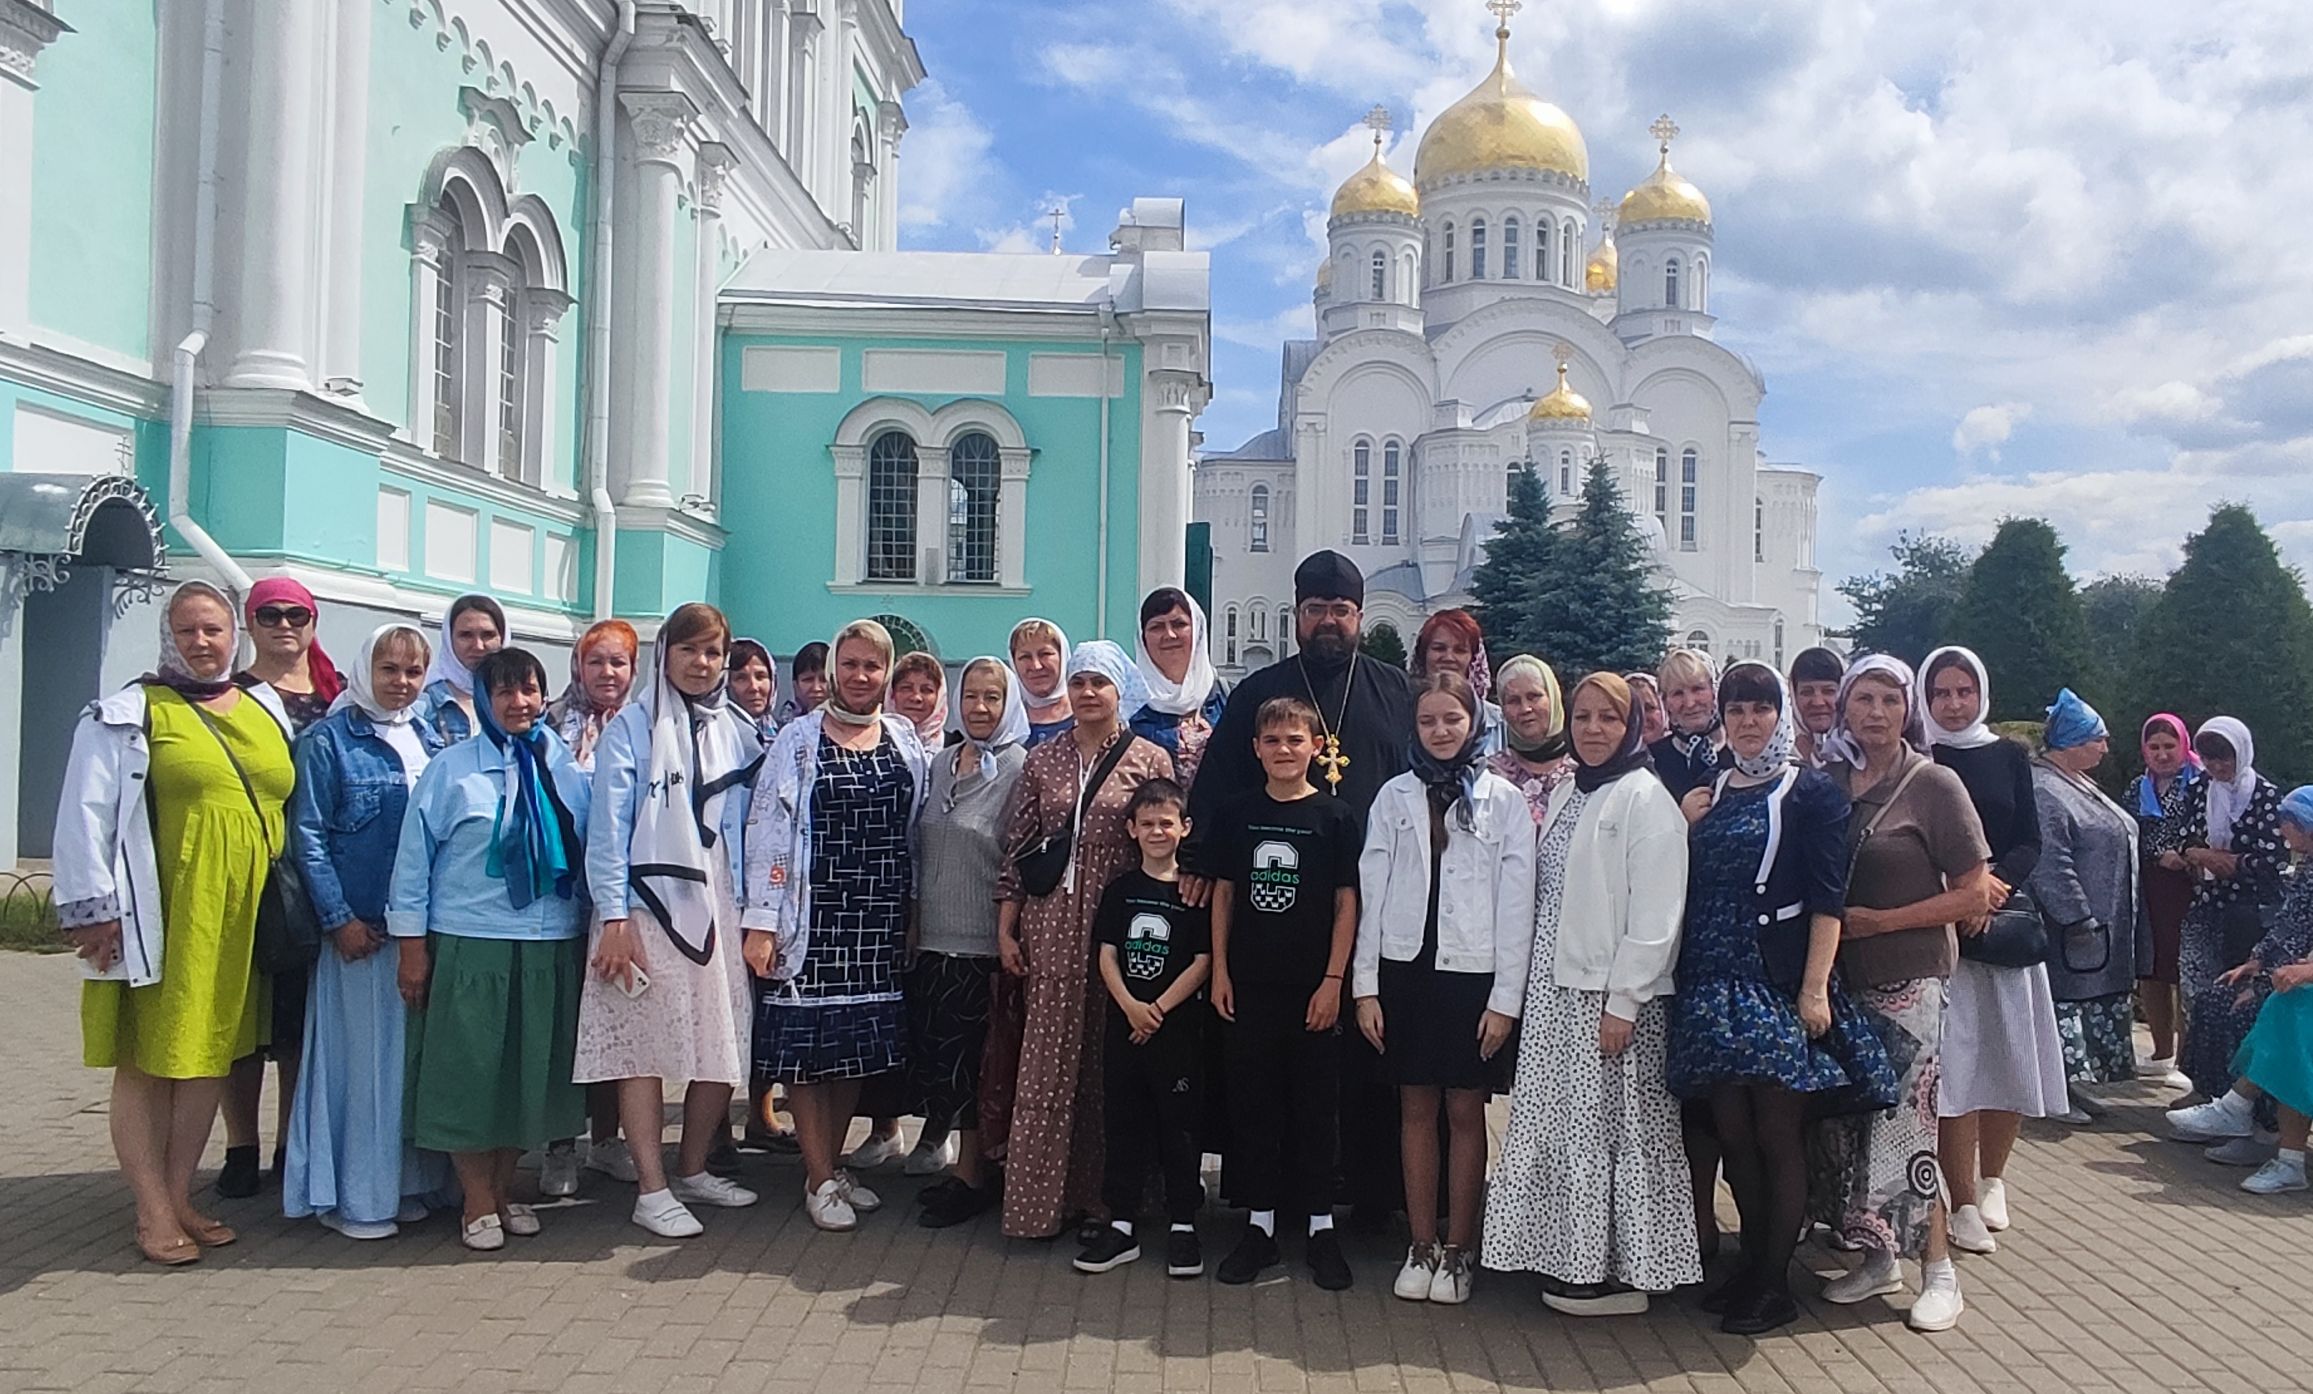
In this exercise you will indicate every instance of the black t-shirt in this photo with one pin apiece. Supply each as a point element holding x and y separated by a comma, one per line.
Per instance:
<point>1286,860</point>
<point>1156,937</point>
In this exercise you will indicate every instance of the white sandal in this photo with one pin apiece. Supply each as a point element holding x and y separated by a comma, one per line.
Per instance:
<point>520,1221</point>
<point>485,1235</point>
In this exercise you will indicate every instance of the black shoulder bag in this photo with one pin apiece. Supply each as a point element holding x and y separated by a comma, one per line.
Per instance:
<point>1043,862</point>
<point>288,931</point>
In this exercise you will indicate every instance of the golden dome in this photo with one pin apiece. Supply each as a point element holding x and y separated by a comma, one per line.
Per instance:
<point>1562,404</point>
<point>1325,274</point>
<point>1501,125</point>
<point>1665,195</point>
<point>1375,189</point>
<point>1605,266</point>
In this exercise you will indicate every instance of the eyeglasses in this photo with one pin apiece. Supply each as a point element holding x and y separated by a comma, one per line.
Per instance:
<point>1342,610</point>
<point>295,616</point>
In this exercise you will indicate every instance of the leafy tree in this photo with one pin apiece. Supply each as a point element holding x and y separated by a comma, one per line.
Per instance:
<point>1384,644</point>
<point>2233,634</point>
<point>2020,613</point>
<point>1518,559</point>
<point>1907,612</point>
<point>2117,606</point>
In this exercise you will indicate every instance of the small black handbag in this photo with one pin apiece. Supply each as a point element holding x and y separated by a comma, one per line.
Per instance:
<point>2017,937</point>
<point>1043,863</point>
<point>289,932</point>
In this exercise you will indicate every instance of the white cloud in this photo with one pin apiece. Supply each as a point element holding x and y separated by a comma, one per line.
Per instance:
<point>950,169</point>
<point>1986,428</point>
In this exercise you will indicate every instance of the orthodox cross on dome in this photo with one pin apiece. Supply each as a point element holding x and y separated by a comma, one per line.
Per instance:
<point>1056,215</point>
<point>1664,130</point>
<point>1605,208</point>
<point>1377,121</point>
<point>1502,10</point>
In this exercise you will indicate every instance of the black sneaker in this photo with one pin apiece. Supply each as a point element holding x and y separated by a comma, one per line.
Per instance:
<point>1327,1267</point>
<point>239,1179</point>
<point>955,1205</point>
<point>1184,1256</point>
<point>1760,1311</point>
<point>1111,1248</point>
<point>1255,1252</point>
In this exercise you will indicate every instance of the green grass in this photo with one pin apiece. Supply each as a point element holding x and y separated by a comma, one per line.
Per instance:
<point>28,921</point>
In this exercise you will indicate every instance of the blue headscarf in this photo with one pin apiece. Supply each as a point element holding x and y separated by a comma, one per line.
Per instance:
<point>2297,807</point>
<point>1106,658</point>
<point>534,854</point>
<point>2072,723</point>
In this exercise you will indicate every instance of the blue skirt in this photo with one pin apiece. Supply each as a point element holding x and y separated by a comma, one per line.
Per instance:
<point>345,1147</point>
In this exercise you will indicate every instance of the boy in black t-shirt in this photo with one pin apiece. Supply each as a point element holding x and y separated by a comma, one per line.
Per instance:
<point>1154,955</point>
<point>1284,913</point>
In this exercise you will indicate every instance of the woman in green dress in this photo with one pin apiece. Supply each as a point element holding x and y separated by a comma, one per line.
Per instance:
<point>171,815</point>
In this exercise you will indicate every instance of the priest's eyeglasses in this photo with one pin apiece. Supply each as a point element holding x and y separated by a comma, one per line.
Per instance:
<point>1314,610</point>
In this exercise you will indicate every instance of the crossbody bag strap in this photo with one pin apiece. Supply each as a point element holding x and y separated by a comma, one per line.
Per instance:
<point>1871,824</point>
<point>230,758</point>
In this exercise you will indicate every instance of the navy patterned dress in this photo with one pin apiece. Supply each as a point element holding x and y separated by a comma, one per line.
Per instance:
<point>841,1017</point>
<point>1730,1023</point>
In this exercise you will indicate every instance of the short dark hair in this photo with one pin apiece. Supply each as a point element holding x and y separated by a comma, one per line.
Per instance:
<point>1288,711</point>
<point>482,603</point>
<point>2212,746</point>
<point>746,651</point>
<point>497,672</point>
<point>1817,665</point>
<point>1156,793</point>
<point>1750,682</point>
<point>811,658</point>
<point>1163,601</point>
<point>1948,659</point>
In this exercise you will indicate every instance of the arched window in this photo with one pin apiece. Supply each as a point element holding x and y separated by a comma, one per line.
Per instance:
<point>1477,249</point>
<point>1284,631</point>
<point>891,508</point>
<point>1662,486</point>
<point>1670,283</point>
<point>1778,642</point>
<point>975,479</point>
<point>862,178</point>
<point>906,636</point>
<point>1229,636</point>
<point>1390,461</point>
<point>1688,468</point>
<point>1565,471</point>
<point>1758,529</point>
<point>1699,640</point>
<point>1542,250</point>
<point>448,337</point>
<point>1380,275</point>
<point>1510,270</point>
<point>1567,242</point>
<point>1360,489</point>
<point>1260,619</point>
<point>1446,270</point>
<point>1260,542</point>
<point>1702,286</point>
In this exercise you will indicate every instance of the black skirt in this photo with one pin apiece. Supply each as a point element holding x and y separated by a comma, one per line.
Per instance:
<point>1429,1025</point>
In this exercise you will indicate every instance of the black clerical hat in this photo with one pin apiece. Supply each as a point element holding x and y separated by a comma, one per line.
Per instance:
<point>1328,575</point>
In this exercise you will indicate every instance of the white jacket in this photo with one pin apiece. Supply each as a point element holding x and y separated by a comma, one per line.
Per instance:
<point>1625,895</point>
<point>104,866</point>
<point>1485,907</point>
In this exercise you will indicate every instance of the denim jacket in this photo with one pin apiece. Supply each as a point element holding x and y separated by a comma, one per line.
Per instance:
<point>346,817</point>
<point>438,711</point>
<point>441,880</point>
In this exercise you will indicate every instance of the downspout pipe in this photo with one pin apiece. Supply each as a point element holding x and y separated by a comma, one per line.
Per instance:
<point>186,377</point>
<point>598,284</point>
<point>1108,329</point>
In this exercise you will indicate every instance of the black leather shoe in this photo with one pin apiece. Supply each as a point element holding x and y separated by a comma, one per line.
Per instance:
<point>1760,1311</point>
<point>1730,1292</point>
<point>239,1179</point>
<point>1327,1268</point>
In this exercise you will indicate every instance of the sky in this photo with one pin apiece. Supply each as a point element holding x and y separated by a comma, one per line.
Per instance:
<point>1994,259</point>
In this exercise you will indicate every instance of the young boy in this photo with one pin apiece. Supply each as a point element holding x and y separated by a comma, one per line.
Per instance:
<point>1154,955</point>
<point>1284,908</point>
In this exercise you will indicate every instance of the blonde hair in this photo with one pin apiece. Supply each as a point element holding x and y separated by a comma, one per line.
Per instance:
<point>1683,667</point>
<point>992,665</point>
<point>867,631</point>
<point>1035,632</point>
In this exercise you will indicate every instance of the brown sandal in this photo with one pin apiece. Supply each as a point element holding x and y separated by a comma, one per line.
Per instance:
<point>175,1253</point>
<point>212,1234</point>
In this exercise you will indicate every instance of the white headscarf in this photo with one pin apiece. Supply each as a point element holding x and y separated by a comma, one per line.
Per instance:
<point>701,748</point>
<point>1189,694</point>
<point>1841,744</point>
<point>1012,726</point>
<point>359,689</point>
<point>445,666</point>
<point>1059,692</point>
<point>1976,734</point>
<point>1783,745</point>
<point>2228,801</point>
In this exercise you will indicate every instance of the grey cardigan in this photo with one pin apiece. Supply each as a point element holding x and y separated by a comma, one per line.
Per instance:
<point>2085,885</point>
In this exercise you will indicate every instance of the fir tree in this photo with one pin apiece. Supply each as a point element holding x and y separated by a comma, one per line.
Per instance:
<point>1384,644</point>
<point>2021,615</point>
<point>2233,634</point>
<point>1599,602</point>
<point>1518,558</point>
<point>1907,612</point>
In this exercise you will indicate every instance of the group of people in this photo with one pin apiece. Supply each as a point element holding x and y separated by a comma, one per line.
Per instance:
<point>1092,917</point>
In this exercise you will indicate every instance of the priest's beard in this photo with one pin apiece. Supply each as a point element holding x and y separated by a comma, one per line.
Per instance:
<point>1328,646</point>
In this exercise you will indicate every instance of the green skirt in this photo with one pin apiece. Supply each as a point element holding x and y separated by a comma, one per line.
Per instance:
<point>490,1056</point>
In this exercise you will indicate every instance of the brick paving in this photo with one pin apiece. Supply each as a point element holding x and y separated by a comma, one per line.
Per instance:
<point>2136,1266</point>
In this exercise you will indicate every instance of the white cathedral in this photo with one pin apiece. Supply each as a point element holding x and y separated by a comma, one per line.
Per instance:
<point>1467,323</point>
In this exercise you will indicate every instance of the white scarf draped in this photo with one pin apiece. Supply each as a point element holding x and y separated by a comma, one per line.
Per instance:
<point>2230,799</point>
<point>1188,695</point>
<point>1976,734</point>
<point>701,748</point>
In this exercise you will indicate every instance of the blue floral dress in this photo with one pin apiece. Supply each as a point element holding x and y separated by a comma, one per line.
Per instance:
<point>1729,1022</point>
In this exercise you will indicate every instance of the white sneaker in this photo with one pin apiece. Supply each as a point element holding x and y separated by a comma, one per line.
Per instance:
<point>858,1197</point>
<point>875,1152</point>
<point>706,1188</point>
<point>827,1208</point>
<point>612,1159</point>
<point>357,1229</point>
<point>2276,1176</point>
<point>663,1215</point>
<point>558,1171</point>
<point>931,1161</point>
<point>1421,1269</point>
<point>2074,1117</point>
<point>1878,1275</point>
<point>1451,1284</point>
<point>1969,1234</point>
<point>2254,1150</point>
<point>1992,1203</point>
<point>413,1210</point>
<point>2213,1121</point>
<point>1937,1308</point>
<point>2162,1070</point>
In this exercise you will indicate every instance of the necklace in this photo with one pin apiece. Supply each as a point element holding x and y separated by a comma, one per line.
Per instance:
<point>1330,755</point>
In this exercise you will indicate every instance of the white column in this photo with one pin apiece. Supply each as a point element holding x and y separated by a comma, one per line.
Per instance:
<point>1164,481</point>
<point>279,222</point>
<point>1012,517</point>
<point>342,247</point>
<point>658,122</point>
<point>771,79</point>
<point>715,165</point>
<point>489,299</point>
<point>932,513</point>
<point>850,513</point>
<point>835,110</point>
<point>542,312</point>
<point>891,124</point>
<point>25,29</point>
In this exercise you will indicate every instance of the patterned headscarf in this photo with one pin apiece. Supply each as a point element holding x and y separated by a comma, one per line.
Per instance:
<point>537,849</point>
<point>274,590</point>
<point>1841,744</point>
<point>933,728</point>
<point>2147,791</point>
<point>2072,723</point>
<point>1554,743</point>
<point>582,719</point>
<point>170,669</point>
<point>1106,658</point>
<point>745,651</point>
<point>1464,626</point>
<point>1456,776</point>
<point>1783,744</point>
<point>2297,808</point>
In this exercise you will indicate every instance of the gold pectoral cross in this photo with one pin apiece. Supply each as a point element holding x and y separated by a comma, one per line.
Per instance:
<point>1334,762</point>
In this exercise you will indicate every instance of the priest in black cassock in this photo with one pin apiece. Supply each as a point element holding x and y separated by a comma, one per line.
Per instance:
<point>1367,711</point>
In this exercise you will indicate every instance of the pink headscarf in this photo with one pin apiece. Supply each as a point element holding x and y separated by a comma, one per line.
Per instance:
<point>278,590</point>
<point>2184,736</point>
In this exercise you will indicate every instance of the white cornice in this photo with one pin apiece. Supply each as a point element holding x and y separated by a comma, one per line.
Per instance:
<point>674,521</point>
<point>70,375</point>
<point>403,459</point>
<point>872,321</point>
<point>302,412</point>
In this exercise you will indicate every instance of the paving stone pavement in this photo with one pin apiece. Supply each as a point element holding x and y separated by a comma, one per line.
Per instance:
<point>2136,1265</point>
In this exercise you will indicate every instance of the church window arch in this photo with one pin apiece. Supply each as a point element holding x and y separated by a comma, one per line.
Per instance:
<point>906,636</point>
<point>1566,472</point>
<point>1392,460</point>
<point>1568,240</point>
<point>1542,249</point>
<point>975,491</point>
<point>446,336</point>
<point>862,176</point>
<point>1229,636</point>
<point>1758,529</point>
<point>1260,623</point>
<point>1700,641</point>
<point>891,508</point>
<point>1690,468</point>
<point>1260,538</point>
<point>1510,270</point>
<point>1446,268</point>
<point>1662,485</point>
<point>1360,489</point>
<point>1778,641</point>
<point>1380,289</point>
<point>1477,249</point>
<point>1284,631</point>
<point>1670,283</point>
<point>1702,284</point>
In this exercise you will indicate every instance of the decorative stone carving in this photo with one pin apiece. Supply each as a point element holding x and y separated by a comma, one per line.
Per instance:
<point>659,121</point>
<point>25,29</point>
<point>716,161</point>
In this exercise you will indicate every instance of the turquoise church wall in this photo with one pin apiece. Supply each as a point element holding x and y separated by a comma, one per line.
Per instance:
<point>779,508</point>
<point>92,177</point>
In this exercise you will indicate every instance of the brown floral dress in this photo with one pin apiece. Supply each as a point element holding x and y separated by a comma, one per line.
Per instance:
<point>1052,1146</point>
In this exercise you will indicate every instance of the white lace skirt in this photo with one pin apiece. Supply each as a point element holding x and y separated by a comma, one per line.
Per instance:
<point>694,1023</point>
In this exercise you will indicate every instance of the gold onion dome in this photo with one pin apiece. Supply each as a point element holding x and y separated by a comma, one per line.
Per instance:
<point>1376,189</point>
<point>1501,125</point>
<point>1605,266</point>
<point>1665,196</point>
<point>1325,274</point>
<point>1562,404</point>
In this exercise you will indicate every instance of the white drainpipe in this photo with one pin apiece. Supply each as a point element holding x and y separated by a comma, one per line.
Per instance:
<point>598,315</point>
<point>1100,583</point>
<point>188,352</point>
